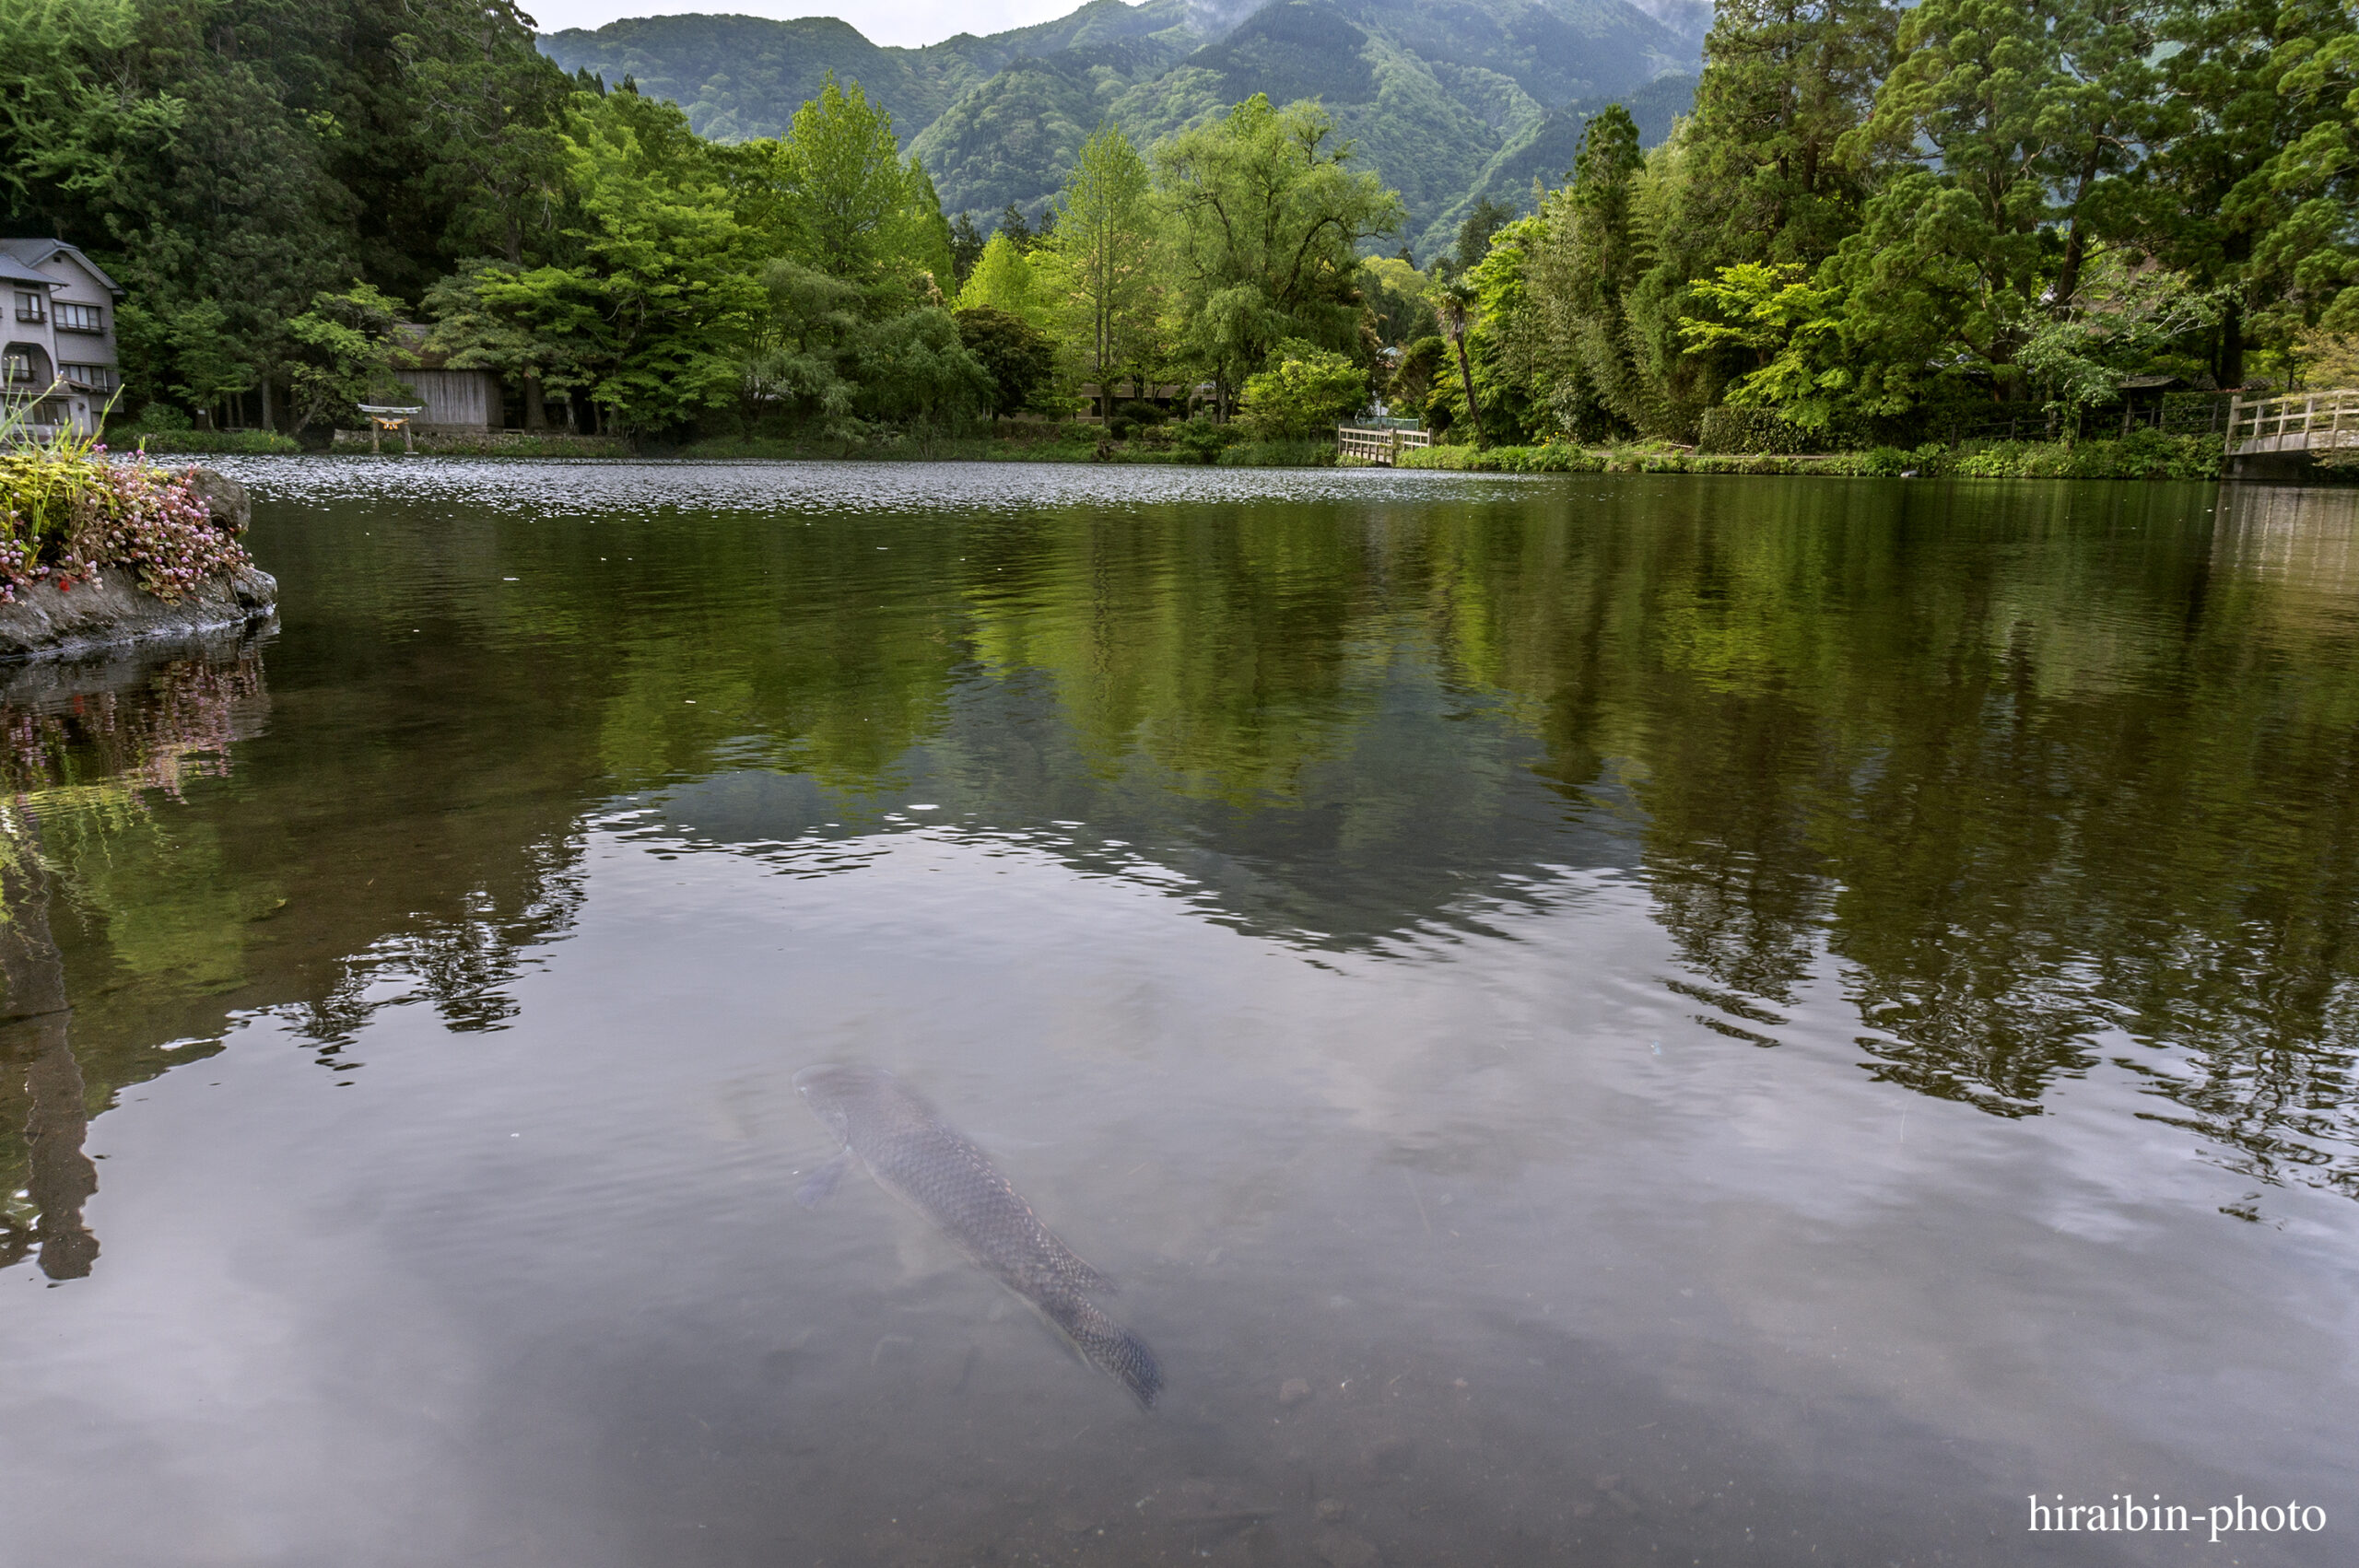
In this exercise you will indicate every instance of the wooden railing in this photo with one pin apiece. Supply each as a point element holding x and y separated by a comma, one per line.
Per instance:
<point>2301,422</point>
<point>1378,446</point>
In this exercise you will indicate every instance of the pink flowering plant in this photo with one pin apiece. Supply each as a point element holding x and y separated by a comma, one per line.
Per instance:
<point>67,511</point>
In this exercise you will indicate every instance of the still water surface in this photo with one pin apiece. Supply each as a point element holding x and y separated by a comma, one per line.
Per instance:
<point>1627,1021</point>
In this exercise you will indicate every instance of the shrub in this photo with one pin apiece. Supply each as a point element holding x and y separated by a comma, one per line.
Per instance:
<point>206,441</point>
<point>2143,454</point>
<point>1506,460</point>
<point>158,416</point>
<point>1202,440</point>
<point>1306,392</point>
<point>1729,429</point>
<point>1888,463</point>
<point>1301,451</point>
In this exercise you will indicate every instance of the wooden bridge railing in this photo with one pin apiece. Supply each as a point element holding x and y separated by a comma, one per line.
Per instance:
<point>2301,422</point>
<point>1382,447</point>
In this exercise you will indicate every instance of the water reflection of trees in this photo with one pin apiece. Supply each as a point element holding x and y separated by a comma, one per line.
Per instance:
<point>2051,773</point>
<point>36,1042</point>
<point>2045,774</point>
<point>152,893</point>
<point>80,747</point>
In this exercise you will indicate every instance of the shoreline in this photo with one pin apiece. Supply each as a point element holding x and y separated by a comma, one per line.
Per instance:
<point>2142,455</point>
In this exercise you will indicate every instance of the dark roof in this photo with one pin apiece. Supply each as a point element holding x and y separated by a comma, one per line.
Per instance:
<point>33,253</point>
<point>409,339</point>
<point>15,270</point>
<point>2142,383</point>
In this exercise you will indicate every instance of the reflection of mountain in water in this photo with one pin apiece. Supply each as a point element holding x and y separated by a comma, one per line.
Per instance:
<point>2039,775</point>
<point>1428,813</point>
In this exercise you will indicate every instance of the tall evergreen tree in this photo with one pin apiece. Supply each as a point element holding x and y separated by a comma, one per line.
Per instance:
<point>1785,85</point>
<point>1104,246</point>
<point>2253,131</point>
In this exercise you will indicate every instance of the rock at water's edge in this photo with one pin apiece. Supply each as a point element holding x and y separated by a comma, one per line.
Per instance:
<point>226,499</point>
<point>113,608</point>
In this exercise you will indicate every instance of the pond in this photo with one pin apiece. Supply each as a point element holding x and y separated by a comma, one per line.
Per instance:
<point>1592,1020</point>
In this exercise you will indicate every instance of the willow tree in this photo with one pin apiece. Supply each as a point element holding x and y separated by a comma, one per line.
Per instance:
<point>1264,217</point>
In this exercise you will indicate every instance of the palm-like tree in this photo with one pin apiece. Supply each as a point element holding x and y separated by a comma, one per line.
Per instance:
<point>1457,302</point>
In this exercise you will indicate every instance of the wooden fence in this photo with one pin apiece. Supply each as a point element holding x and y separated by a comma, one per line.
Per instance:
<point>1383,446</point>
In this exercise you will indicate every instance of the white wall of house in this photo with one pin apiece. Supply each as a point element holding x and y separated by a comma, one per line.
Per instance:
<point>468,399</point>
<point>59,320</point>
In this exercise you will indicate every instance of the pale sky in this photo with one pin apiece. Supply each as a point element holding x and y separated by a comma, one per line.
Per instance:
<point>884,21</point>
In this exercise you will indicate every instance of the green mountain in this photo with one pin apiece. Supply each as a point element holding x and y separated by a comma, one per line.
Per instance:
<point>740,77</point>
<point>1544,150</point>
<point>1442,97</point>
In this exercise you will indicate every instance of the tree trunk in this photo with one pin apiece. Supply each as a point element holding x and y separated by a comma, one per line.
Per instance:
<point>536,414</point>
<point>2068,275</point>
<point>269,415</point>
<point>60,1177</point>
<point>1466,380</point>
<point>2231,371</point>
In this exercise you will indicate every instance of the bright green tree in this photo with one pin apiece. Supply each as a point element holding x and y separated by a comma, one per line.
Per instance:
<point>1104,242</point>
<point>1004,280</point>
<point>486,319</point>
<point>1266,215</point>
<point>854,207</point>
<point>1307,390</point>
<point>346,354</point>
<point>661,300</point>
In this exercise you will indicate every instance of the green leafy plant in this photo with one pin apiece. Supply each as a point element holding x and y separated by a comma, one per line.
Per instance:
<point>1306,392</point>
<point>67,511</point>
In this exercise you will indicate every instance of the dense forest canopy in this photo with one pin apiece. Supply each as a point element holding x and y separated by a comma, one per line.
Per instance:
<point>1873,217</point>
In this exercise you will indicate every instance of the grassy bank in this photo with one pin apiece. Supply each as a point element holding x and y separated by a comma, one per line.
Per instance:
<point>2143,454</point>
<point>206,443</point>
<point>491,443</point>
<point>1185,445</point>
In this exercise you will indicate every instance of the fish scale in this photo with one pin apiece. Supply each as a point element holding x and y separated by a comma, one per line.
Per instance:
<point>913,1153</point>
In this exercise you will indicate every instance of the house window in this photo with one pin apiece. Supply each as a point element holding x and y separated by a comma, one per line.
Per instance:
<point>17,366</point>
<point>89,378</point>
<point>80,318</point>
<point>31,307</point>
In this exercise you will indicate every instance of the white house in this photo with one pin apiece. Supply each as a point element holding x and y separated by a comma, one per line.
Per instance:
<point>59,334</point>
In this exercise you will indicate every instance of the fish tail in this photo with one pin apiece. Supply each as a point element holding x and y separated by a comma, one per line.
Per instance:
<point>1109,1346</point>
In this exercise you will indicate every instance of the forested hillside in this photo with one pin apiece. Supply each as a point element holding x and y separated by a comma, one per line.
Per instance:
<point>1433,92</point>
<point>1543,152</point>
<point>1853,238</point>
<point>739,77</point>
